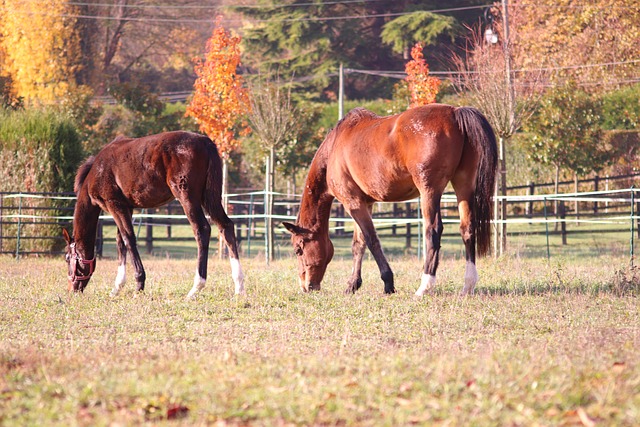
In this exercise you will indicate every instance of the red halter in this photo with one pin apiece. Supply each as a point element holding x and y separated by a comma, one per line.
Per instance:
<point>78,259</point>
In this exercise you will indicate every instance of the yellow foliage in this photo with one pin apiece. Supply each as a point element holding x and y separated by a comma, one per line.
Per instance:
<point>41,46</point>
<point>571,36</point>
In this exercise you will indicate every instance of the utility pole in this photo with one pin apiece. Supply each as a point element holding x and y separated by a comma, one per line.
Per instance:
<point>341,93</point>
<point>511,120</point>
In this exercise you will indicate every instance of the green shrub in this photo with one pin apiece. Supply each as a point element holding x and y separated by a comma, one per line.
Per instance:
<point>39,152</point>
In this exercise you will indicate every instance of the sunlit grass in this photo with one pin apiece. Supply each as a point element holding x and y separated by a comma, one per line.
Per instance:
<point>540,344</point>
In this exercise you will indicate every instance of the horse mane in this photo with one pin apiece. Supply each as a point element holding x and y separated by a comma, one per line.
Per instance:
<point>83,171</point>
<point>354,116</point>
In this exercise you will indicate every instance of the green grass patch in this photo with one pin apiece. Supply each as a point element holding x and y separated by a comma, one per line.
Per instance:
<point>539,344</point>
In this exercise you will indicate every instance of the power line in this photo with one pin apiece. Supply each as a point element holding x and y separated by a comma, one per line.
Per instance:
<point>197,20</point>
<point>217,6</point>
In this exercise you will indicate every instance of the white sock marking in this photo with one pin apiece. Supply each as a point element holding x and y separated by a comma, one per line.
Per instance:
<point>470,279</point>
<point>428,284</point>
<point>198,284</point>
<point>121,278</point>
<point>237,275</point>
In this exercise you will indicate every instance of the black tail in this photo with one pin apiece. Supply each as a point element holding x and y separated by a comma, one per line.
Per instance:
<point>477,130</point>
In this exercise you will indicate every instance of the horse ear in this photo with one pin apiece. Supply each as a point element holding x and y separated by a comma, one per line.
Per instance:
<point>293,229</point>
<point>66,236</point>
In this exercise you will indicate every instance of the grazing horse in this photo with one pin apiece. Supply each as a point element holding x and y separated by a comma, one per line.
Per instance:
<point>149,172</point>
<point>367,159</point>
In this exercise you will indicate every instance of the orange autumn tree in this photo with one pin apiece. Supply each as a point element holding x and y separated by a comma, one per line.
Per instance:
<point>220,99</point>
<point>422,87</point>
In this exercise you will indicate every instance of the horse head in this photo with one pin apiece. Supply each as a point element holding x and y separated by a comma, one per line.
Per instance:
<point>314,251</point>
<point>79,269</point>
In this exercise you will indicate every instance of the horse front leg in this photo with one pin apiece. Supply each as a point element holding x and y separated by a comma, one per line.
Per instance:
<point>122,217</point>
<point>121,277</point>
<point>432,235</point>
<point>363,218</point>
<point>358,247</point>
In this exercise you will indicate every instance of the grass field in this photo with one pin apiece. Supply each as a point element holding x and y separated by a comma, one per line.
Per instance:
<point>539,344</point>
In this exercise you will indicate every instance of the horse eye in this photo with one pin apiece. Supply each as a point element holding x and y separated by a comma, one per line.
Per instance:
<point>298,250</point>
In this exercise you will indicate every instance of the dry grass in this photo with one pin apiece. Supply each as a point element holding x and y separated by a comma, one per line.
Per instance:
<point>540,344</point>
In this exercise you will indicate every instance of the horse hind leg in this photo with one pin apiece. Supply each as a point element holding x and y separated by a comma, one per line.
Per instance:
<point>432,235</point>
<point>202,232</point>
<point>468,237</point>
<point>227,232</point>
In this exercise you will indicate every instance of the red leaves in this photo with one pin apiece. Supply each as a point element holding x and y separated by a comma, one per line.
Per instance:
<point>423,88</point>
<point>220,98</point>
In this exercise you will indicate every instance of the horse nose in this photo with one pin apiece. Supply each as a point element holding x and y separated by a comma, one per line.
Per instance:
<point>314,286</point>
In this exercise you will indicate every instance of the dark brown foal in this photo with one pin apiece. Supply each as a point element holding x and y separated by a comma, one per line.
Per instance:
<point>149,172</point>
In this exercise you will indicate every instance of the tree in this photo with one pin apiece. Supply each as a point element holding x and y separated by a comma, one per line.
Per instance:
<point>41,48</point>
<point>574,36</point>
<point>135,41</point>
<point>273,119</point>
<point>312,39</point>
<point>417,27</point>
<point>486,76</point>
<point>220,98</point>
<point>567,133</point>
<point>422,87</point>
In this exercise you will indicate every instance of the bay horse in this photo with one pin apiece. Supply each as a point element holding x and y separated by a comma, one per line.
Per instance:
<point>367,159</point>
<point>149,172</point>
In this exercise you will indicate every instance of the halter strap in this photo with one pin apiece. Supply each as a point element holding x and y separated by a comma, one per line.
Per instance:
<point>78,259</point>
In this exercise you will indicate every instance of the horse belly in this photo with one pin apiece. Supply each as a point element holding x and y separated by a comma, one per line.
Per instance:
<point>151,196</point>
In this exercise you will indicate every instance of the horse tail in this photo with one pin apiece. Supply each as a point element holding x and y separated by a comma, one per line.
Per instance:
<point>476,130</point>
<point>82,173</point>
<point>212,197</point>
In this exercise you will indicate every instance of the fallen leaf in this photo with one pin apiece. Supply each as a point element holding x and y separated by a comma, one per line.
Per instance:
<point>177,411</point>
<point>584,418</point>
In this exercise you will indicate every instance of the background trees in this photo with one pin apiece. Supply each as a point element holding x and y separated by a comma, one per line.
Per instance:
<point>41,49</point>
<point>134,51</point>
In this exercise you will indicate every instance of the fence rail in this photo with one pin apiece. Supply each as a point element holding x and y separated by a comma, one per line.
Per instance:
<point>30,222</point>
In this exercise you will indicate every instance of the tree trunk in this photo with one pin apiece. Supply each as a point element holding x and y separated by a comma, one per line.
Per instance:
<point>503,193</point>
<point>269,246</point>
<point>225,202</point>
<point>577,202</point>
<point>557,191</point>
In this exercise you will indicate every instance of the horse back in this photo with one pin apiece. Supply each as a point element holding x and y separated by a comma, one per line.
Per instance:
<point>383,158</point>
<point>148,171</point>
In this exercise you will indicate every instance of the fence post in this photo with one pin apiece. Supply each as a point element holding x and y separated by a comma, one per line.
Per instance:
<point>150,231</point>
<point>19,225</point>
<point>421,243</point>
<point>169,219</point>
<point>407,241</point>
<point>100,239</point>
<point>546,224</point>
<point>395,215</point>
<point>596,180</point>
<point>1,220</point>
<point>250,225</point>
<point>632,231</point>
<point>563,223</point>
<point>529,208</point>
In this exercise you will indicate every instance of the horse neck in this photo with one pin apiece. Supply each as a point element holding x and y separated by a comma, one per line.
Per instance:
<point>315,207</point>
<point>85,224</point>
